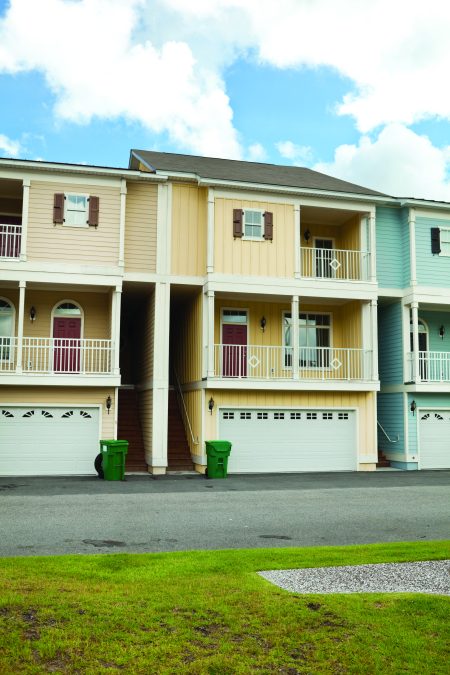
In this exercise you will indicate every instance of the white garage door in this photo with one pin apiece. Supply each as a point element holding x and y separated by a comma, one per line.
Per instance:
<point>434,439</point>
<point>47,441</point>
<point>289,440</point>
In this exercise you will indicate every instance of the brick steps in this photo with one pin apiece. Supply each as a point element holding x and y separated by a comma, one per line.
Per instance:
<point>383,462</point>
<point>178,453</point>
<point>129,429</point>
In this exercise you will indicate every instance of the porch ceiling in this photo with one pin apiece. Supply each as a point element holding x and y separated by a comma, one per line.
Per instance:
<point>321,216</point>
<point>11,188</point>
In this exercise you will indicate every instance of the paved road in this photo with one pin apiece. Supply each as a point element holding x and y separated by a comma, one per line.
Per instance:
<point>42,516</point>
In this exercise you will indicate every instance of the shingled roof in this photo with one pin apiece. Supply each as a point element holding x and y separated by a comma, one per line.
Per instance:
<point>245,172</point>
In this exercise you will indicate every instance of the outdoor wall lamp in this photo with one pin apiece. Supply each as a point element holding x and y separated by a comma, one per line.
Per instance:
<point>442,332</point>
<point>413,407</point>
<point>211,405</point>
<point>32,313</point>
<point>263,323</point>
<point>108,404</point>
<point>307,235</point>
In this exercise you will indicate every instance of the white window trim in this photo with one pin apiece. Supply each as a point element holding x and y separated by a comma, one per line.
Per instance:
<point>330,329</point>
<point>76,194</point>
<point>447,231</point>
<point>252,238</point>
<point>233,323</point>
<point>54,314</point>
<point>13,331</point>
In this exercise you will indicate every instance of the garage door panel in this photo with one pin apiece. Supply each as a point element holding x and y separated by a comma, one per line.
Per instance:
<point>434,439</point>
<point>48,441</point>
<point>289,440</point>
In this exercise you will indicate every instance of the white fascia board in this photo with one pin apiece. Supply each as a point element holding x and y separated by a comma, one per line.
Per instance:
<point>431,294</point>
<point>390,292</point>
<point>294,200</point>
<point>34,166</point>
<point>283,385</point>
<point>424,204</point>
<point>153,277</point>
<point>423,387</point>
<point>51,380</point>
<point>61,274</point>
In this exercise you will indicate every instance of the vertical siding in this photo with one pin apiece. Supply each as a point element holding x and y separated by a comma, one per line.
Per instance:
<point>140,228</point>
<point>432,270</point>
<point>264,258</point>
<point>46,241</point>
<point>390,247</point>
<point>390,344</point>
<point>390,416</point>
<point>350,238</point>
<point>189,225</point>
<point>187,338</point>
<point>193,402</point>
<point>350,319</point>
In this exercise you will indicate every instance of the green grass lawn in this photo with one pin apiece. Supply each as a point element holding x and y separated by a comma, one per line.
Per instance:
<point>209,612</point>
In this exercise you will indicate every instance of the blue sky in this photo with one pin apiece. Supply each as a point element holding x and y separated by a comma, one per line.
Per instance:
<point>315,83</point>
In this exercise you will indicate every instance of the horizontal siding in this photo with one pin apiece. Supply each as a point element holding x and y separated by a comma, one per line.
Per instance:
<point>193,403</point>
<point>140,227</point>
<point>56,243</point>
<point>390,247</point>
<point>390,344</point>
<point>390,416</point>
<point>433,321</point>
<point>432,270</point>
<point>145,405</point>
<point>144,356</point>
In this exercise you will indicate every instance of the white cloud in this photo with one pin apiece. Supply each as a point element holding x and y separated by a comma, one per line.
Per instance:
<point>257,153</point>
<point>398,162</point>
<point>8,147</point>
<point>299,155</point>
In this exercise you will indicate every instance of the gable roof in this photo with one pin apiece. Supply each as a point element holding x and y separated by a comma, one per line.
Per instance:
<point>245,172</point>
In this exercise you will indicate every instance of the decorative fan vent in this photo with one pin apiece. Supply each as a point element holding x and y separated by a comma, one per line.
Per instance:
<point>7,413</point>
<point>69,413</point>
<point>85,414</point>
<point>30,413</point>
<point>45,413</point>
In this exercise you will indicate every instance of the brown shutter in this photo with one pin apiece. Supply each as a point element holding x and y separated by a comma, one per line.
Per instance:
<point>268,226</point>
<point>94,203</point>
<point>58,208</point>
<point>237,222</point>
<point>435,240</point>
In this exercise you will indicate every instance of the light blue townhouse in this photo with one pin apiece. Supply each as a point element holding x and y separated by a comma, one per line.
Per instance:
<point>413,271</point>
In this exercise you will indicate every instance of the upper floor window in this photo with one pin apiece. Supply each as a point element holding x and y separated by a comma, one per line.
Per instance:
<point>253,224</point>
<point>445,240</point>
<point>6,328</point>
<point>75,209</point>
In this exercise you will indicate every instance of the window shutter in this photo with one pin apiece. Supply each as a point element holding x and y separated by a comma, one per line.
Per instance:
<point>268,226</point>
<point>94,203</point>
<point>58,208</point>
<point>435,240</point>
<point>237,222</point>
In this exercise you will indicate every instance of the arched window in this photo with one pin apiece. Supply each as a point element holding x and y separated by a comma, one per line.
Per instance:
<point>423,336</point>
<point>68,309</point>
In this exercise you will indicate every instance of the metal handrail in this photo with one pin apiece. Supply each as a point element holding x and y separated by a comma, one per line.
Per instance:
<point>391,440</point>
<point>184,409</point>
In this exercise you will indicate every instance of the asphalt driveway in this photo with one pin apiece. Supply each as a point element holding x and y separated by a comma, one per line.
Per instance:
<point>42,516</point>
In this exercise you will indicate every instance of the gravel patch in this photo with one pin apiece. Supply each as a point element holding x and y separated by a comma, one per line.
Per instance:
<point>431,576</point>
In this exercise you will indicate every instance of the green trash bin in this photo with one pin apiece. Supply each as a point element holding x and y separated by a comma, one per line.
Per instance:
<point>113,459</point>
<point>217,453</point>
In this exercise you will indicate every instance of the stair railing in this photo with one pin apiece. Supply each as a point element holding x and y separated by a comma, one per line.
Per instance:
<point>391,440</point>
<point>184,412</point>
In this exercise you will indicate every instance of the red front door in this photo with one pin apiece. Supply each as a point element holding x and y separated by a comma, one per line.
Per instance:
<point>66,343</point>
<point>234,350</point>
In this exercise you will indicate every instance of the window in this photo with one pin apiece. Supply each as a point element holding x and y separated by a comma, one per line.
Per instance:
<point>444,233</point>
<point>6,329</point>
<point>314,340</point>
<point>75,210</point>
<point>234,316</point>
<point>253,224</point>
<point>67,309</point>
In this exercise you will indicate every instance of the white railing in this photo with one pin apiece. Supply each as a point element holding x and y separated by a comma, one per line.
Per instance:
<point>326,263</point>
<point>10,239</point>
<point>433,367</point>
<point>259,362</point>
<point>57,356</point>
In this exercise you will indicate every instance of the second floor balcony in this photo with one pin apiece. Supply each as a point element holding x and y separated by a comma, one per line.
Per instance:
<point>431,366</point>
<point>10,241</point>
<point>334,264</point>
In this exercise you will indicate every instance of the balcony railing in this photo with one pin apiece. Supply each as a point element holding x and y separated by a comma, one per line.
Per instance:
<point>326,263</point>
<point>257,362</point>
<point>57,356</point>
<point>10,239</point>
<point>433,367</point>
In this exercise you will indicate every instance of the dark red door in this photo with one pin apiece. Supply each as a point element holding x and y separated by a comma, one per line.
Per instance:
<point>66,334</point>
<point>234,350</point>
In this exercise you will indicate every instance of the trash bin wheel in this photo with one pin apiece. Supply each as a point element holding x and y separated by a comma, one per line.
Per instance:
<point>98,465</point>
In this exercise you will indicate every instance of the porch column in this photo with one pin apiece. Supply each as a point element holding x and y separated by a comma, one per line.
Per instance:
<point>415,331</point>
<point>412,245</point>
<point>210,313</point>
<point>160,399</point>
<point>123,203</point>
<point>374,342</point>
<point>210,233</point>
<point>20,318</point>
<point>115,328</point>
<point>408,366</point>
<point>25,209</point>
<point>295,336</point>
<point>373,248</point>
<point>297,243</point>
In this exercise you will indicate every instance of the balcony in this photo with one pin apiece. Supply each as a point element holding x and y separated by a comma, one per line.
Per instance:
<point>334,264</point>
<point>433,367</point>
<point>10,241</point>
<point>258,362</point>
<point>56,356</point>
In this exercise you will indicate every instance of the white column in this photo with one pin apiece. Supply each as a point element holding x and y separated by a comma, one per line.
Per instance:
<point>297,243</point>
<point>20,318</point>
<point>415,331</point>
<point>205,329</point>
<point>160,376</point>
<point>408,365</point>
<point>412,245</point>
<point>25,210</point>
<point>210,233</point>
<point>123,203</point>
<point>210,304</point>
<point>115,328</point>
<point>366,337</point>
<point>295,336</point>
<point>374,332</point>
<point>373,247</point>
